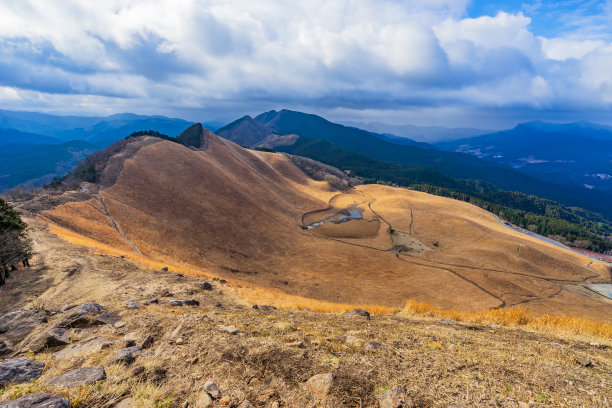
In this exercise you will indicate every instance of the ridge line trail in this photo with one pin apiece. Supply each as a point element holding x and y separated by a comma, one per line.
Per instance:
<point>116,224</point>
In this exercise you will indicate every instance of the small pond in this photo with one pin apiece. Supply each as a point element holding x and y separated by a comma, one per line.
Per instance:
<point>341,216</point>
<point>604,289</point>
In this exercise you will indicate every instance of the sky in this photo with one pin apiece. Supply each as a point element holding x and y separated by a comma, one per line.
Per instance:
<point>487,64</point>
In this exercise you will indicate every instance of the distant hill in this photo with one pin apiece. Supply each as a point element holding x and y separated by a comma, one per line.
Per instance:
<point>450,164</point>
<point>250,133</point>
<point>427,134</point>
<point>578,153</point>
<point>13,136</point>
<point>39,164</point>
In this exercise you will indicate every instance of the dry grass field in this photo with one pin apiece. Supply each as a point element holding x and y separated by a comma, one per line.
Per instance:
<point>240,214</point>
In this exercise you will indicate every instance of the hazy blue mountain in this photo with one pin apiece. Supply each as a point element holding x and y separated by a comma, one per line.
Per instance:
<point>579,153</point>
<point>427,134</point>
<point>450,164</point>
<point>13,136</point>
<point>100,131</point>
<point>38,164</point>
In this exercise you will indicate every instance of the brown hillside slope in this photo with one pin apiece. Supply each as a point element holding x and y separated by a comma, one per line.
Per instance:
<point>239,214</point>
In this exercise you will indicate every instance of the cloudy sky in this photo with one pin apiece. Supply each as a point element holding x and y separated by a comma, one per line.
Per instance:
<point>437,62</point>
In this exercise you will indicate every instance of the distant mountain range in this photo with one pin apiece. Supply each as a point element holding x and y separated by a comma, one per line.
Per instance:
<point>578,153</point>
<point>425,134</point>
<point>35,147</point>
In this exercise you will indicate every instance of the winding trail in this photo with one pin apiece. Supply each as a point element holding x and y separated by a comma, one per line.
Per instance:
<point>447,266</point>
<point>117,227</point>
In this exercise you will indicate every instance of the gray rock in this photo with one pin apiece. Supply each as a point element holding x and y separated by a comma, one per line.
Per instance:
<point>264,307</point>
<point>394,398</point>
<point>584,361</point>
<point>126,355</point>
<point>358,313</point>
<point>246,404</point>
<point>82,315</point>
<point>205,285</point>
<point>373,347</point>
<point>78,377</point>
<point>48,339</point>
<point>175,302</point>
<point>320,384</point>
<point>37,400</point>
<point>190,302</point>
<point>275,404</point>
<point>164,269</point>
<point>204,401</point>
<point>19,370</point>
<point>132,305</point>
<point>107,318</point>
<point>151,301</point>
<point>166,293</point>
<point>15,326</point>
<point>212,389</point>
<point>227,329</point>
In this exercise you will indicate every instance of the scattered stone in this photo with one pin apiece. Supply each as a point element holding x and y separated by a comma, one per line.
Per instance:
<point>83,349</point>
<point>151,301</point>
<point>136,371</point>
<point>126,403</point>
<point>19,370</point>
<point>264,307</point>
<point>494,326</point>
<point>225,401</point>
<point>394,398</point>
<point>584,361</point>
<point>222,281</point>
<point>175,302</point>
<point>164,269</point>
<point>358,313</point>
<point>81,315</point>
<point>179,341</point>
<point>275,404</point>
<point>211,388</point>
<point>130,343</point>
<point>205,285</point>
<point>125,355</point>
<point>78,377</point>
<point>180,275</point>
<point>320,384</point>
<point>246,404</point>
<point>219,306</point>
<point>594,344</point>
<point>166,293</point>
<point>204,401</point>
<point>50,338</point>
<point>448,321</point>
<point>132,305</point>
<point>373,347</point>
<point>15,326</point>
<point>227,329</point>
<point>119,325</point>
<point>37,400</point>
<point>190,302</point>
<point>107,318</point>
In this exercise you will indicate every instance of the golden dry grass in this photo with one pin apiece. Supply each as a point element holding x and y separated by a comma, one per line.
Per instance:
<point>241,216</point>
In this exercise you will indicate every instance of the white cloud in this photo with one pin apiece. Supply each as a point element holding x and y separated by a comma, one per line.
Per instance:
<point>341,54</point>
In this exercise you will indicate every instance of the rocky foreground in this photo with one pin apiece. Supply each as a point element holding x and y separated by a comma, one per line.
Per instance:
<point>89,330</point>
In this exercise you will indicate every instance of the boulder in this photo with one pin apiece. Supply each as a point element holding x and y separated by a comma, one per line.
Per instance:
<point>211,388</point>
<point>126,355</point>
<point>358,313</point>
<point>82,315</point>
<point>37,400</point>
<point>48,339</point>
<point>205,285</point>
<point>78,377</point>
<point>394,398</point>
<point>227,329</point>
<point>320,384</point>
<point>19,370</point>
<point>107,318</point>
<point>15,326</point>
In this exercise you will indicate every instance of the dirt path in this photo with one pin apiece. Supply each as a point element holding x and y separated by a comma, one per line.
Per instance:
<point>117,227</point>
